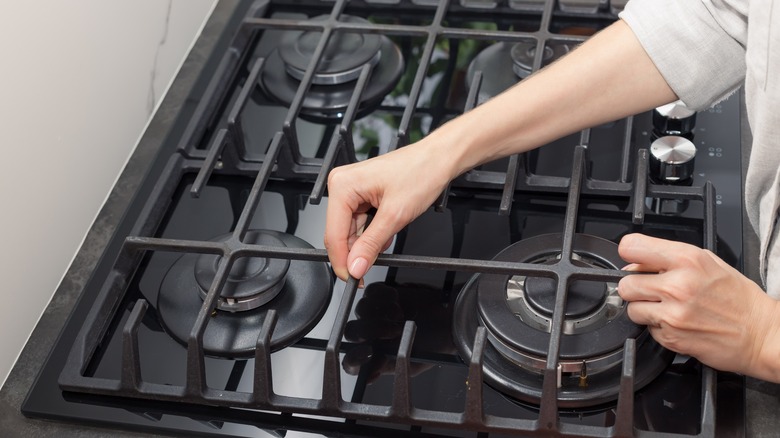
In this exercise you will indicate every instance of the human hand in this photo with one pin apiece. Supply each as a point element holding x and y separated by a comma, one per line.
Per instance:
<point>698,305</point>
<point>401,185</point>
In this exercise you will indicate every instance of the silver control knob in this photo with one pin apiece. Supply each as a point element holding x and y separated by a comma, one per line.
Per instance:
<point>674,119</point>
<point>671,159</point>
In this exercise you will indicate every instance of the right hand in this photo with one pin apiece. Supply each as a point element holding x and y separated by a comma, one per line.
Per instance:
<point>401,185</point>
<point>700,306</point>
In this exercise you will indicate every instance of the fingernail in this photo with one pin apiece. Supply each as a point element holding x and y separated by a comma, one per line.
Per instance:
<point>358,268</point>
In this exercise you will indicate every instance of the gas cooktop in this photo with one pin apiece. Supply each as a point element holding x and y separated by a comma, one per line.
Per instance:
<point>496,313</point>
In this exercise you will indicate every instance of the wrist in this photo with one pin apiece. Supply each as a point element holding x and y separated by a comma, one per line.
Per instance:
<point>477,137</point>
<point>453,148</point>
<point>767,362</point>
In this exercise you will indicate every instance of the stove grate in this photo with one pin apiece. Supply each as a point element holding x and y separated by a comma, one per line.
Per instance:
<point>227,154</point>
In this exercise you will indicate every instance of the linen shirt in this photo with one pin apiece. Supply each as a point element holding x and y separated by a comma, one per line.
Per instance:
<point>706,49</point>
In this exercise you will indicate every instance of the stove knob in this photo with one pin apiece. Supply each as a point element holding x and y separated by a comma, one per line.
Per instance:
<point>671,159</point>
<point>674,119</point>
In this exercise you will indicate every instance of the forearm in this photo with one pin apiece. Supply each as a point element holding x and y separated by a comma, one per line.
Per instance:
<point>607,78</point>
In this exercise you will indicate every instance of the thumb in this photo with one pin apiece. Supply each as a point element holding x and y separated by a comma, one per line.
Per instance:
<point>374,239</point>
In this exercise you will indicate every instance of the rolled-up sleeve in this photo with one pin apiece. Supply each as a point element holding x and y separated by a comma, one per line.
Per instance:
<point>697,45</point>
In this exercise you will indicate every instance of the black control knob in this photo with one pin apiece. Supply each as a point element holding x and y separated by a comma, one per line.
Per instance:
<point>674,119</point>
<point>671,159</point>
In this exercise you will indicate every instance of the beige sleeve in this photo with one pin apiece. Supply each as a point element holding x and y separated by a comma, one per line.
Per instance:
<point>697,45</point>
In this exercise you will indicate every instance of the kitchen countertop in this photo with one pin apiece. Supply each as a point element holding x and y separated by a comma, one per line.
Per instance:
<point>763,399</point>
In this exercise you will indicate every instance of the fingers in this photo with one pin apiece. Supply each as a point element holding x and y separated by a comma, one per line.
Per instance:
<point>338,222</point>
<point>638,288</point>
<point>374,239</point>
<point>644,251</point>
<point>642,313</point>
<point>351,249</point>
<point>344,218</point>
<point>356,228</point>
<point>391,183</point>
<point>647,297</point>
<point>652,254</point>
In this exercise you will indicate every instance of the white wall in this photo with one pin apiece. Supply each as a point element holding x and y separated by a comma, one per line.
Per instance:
<point>79,80</point>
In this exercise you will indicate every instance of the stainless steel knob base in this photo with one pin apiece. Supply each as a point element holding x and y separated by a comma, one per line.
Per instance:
<point>674,119</point>
<point>672,159</point>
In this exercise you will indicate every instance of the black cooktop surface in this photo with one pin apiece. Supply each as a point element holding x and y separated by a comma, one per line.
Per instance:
<point>214,310</point>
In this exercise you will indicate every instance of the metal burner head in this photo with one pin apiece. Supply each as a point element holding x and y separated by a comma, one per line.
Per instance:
<point>344,56</point>
<point>523,54</point>
<point>251,282</point>
<point>589,305</point>
<point>335,80</point>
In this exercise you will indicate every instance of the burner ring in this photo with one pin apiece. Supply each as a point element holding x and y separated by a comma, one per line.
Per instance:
<point>523,382</point>
<point>523,54</point>
<point>344,56</point>
<point>252,281</point>
<point>591,366</point>
<point>299,305</point>
<point>589,305</point>
<point>333,78</point>
<point>329,102</point>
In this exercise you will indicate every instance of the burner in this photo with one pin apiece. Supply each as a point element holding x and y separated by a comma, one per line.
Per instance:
<point>334,82</point>
<point>517,312</point>
<point>589,303</point>
<point>503,64</point>
<point>252,282</point>
<point>342,60</point>
<point>299,291</point>
<point>523,56</point>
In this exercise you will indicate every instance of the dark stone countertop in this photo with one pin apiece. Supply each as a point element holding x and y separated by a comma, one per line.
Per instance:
<point>14,391</point>
<point>763,399</point>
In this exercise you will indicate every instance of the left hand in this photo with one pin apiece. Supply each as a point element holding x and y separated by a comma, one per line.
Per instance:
<point>698,305</point>
<point>401,185</point>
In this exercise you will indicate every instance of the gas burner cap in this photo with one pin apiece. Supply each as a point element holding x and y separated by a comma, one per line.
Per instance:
<point>252,281</point>
<point>344,56</point>
<point>523,54</point>
<point>329,102</point>
<point>588,303</point>
<point>300,302</point>
<point>517,313</point>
